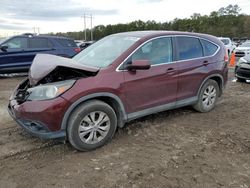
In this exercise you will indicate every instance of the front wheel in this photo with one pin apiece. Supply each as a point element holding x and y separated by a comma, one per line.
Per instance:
<point>91,125</point>
<point>208,97</point>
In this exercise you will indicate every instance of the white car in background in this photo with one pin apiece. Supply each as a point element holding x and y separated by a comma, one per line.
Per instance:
<point>228,43</point>
<point>243,49</point>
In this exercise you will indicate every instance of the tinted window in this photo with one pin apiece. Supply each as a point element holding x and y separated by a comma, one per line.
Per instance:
<point>189,48</point>
<point>39,43</point>
<point>157,51</point>
<point>209,48</point>
<point>67,42</point>
<point>17,43</point>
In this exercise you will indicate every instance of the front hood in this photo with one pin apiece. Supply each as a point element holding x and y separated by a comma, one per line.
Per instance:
<point>43,64</point>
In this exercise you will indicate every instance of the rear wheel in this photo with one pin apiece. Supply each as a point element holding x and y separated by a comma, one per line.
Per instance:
<point>208,97</point>
<point>91,125</point>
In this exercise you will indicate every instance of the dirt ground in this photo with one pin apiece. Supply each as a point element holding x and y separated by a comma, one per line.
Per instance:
<point>177,148</point>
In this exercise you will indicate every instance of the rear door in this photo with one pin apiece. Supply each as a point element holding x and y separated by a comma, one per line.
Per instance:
<point>158,85</point>
<point>40,45</point>
<point>194,64</point>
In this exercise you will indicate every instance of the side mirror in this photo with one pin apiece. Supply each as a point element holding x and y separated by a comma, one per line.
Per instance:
<point>4,48</point>
<point>139,65</point>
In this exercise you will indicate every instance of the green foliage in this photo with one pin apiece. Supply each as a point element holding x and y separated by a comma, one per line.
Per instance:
<point>227,21</point>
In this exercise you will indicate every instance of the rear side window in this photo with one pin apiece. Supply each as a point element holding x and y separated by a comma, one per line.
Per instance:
<point>39,43</point>
<point>67,42</point>
<point>209,48</point>
<point>189,48</point>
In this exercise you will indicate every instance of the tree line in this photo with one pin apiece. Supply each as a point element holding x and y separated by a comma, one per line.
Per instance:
<point>227,22</point>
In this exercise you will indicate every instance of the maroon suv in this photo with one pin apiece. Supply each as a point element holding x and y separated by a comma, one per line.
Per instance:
<point>117,79</point>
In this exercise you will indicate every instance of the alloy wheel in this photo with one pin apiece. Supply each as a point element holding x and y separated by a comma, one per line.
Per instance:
<point>94,127</point>
<point>209,96</point>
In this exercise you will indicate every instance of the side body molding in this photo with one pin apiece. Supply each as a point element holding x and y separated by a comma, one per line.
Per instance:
<point>93,96</point>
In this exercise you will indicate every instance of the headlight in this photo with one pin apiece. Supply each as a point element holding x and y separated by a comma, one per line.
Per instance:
<point>49,91</point>
<point>241,60</point>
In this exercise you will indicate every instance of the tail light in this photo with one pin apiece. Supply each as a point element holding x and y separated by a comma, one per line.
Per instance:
<point>77,50</point>
<point>226,57</point>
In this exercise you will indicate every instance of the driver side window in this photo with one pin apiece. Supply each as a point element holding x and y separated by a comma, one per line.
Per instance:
<point>17,43</point>
<point>157,51</point>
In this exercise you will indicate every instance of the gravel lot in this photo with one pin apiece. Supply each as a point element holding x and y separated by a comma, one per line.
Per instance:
<point>177,148</point>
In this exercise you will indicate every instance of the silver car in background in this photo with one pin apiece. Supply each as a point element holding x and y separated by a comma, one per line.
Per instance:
<point>242,69</point>
<point>243,49</point>
<point>230,46</point>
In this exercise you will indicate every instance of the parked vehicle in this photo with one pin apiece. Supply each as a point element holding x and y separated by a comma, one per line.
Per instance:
<point>118,79</point>
<point>228,43</point>
<point>86,44</point>
<point>79,42</point>
<point>242,69</point>
<point>243,49</point>
<point>83,44</point>
<point>18,52</point>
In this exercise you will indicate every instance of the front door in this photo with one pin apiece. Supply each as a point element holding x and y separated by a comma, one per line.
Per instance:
<point>15,57</point>
<point>156,86</point>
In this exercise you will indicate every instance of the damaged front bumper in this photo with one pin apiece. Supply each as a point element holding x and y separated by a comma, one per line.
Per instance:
<point>37,129</point>
<point>40,118</point>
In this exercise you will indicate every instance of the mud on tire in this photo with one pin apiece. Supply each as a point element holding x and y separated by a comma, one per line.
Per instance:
<point>208,96</point>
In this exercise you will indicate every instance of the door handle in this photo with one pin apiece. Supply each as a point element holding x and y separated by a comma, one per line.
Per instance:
<point>170,71</point>
<point>205,63</point>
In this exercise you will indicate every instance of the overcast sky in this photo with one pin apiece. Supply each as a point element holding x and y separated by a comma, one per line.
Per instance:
<point>18,16</point>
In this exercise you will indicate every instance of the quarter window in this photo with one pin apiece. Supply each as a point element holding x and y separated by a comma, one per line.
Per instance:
<point>209,48</point>
<point>157,51</point>
<point>189,48</point>
<point>67,42</point>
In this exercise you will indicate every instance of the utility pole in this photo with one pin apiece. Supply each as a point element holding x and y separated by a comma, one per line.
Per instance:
<point>91,29</point>
<point>85,31</point>
<point>85,17</point>
<point>36,29</point>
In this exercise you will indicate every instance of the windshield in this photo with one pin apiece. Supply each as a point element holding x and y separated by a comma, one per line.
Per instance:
<point>105,51</point>
<point>246,44</point>
<point>225,41</point>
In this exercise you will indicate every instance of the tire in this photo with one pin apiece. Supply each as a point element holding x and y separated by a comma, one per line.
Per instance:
<point>208,96</point>
<point>91,125</point>
<point>241,80</point>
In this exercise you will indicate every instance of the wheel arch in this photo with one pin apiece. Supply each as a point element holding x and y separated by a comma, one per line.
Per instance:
<point>111,99</point>
<point>216,77</point>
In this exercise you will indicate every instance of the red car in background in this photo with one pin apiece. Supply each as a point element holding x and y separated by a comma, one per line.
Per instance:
<point>117,79</point>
